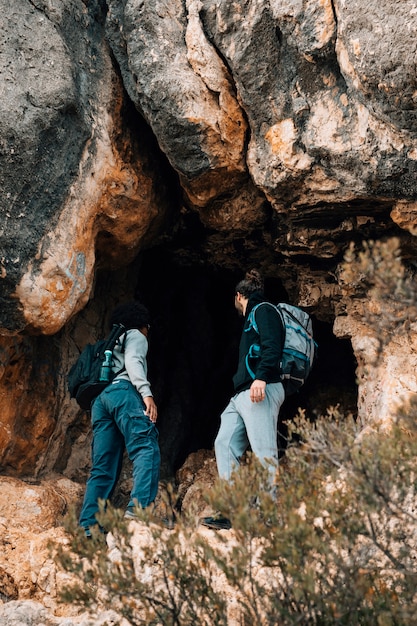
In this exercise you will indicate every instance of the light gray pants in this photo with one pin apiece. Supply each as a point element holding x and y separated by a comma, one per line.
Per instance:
<point>245,423</point>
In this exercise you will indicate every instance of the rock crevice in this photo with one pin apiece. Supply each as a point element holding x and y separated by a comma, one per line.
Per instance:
<point>158,150</point>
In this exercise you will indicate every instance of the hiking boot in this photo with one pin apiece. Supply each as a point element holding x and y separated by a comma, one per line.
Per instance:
<point>131,515</point>
<point>168,522</point>
<point>100,536</point>
<point>216,522</point>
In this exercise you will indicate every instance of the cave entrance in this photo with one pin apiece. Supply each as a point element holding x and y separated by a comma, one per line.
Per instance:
<point>194,342</point>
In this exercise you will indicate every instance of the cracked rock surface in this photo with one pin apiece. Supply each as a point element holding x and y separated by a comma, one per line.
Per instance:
<point>157,150</point>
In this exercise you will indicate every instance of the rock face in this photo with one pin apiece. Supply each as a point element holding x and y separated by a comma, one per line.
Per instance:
<point>157,150</point>
<point>30,516</point>
<point>73,177</point>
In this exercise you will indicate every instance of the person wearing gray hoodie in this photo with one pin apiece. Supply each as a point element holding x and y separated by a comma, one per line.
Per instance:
<point>124,415</point>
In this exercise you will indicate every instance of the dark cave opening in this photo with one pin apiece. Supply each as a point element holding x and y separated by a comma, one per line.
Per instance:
<point>193,354</point>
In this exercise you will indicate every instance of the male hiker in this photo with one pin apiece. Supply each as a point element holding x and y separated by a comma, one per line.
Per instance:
<point>124,414</point>
<point>251,417</point>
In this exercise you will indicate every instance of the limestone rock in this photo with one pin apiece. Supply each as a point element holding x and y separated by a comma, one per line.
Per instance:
<point>151,137</point>
<point>72,177</point>
<point>31,515</point>
<point>31,519</point>
<point>295,108</point>
<point>28,613</point>
<point>195,478</point>
<point>184,89</point>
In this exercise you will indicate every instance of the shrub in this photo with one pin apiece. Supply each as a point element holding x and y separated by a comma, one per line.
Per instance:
<point>337,546</point>
<point>336,543</point>
<point>378,289</point>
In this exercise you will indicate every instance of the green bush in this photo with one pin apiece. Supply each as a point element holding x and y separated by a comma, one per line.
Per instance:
<point>336,546</point>
<point>378,289</point>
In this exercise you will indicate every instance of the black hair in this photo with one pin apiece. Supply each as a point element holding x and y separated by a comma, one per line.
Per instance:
<point>252,283</point>
<point>131,315</point>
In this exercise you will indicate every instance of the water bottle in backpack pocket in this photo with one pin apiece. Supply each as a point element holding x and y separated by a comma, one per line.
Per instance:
<point>92,371</point>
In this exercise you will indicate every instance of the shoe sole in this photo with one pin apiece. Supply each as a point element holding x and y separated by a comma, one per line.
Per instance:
<point>216,526</point>
<point>167,523</point>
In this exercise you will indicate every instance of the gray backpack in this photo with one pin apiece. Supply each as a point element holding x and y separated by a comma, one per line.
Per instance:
<point>299,349</point>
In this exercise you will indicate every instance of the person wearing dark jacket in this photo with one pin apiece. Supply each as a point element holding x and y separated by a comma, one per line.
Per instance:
<point>251,417</point>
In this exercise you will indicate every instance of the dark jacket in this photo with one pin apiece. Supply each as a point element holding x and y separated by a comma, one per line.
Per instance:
<point>270,339</point>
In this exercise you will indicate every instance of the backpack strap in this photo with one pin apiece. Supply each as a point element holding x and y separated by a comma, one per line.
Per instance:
<point>116,332</point>
<point>122,343</point>
<point>254,351</point>
<point>122,349</point>
<point>252,320</point>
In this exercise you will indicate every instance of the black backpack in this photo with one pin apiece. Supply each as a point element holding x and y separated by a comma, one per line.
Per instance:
<point>83,380</point>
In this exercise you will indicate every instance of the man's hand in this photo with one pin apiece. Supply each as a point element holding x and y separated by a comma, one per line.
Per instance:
<point>151,410</point>
<point>257,390</point>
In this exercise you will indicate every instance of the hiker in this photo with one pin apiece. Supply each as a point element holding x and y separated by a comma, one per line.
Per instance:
<point>124,414</point>
<point>251,417</point>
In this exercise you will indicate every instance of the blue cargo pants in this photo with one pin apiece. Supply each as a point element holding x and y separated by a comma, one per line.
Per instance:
<point>119,420</point>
